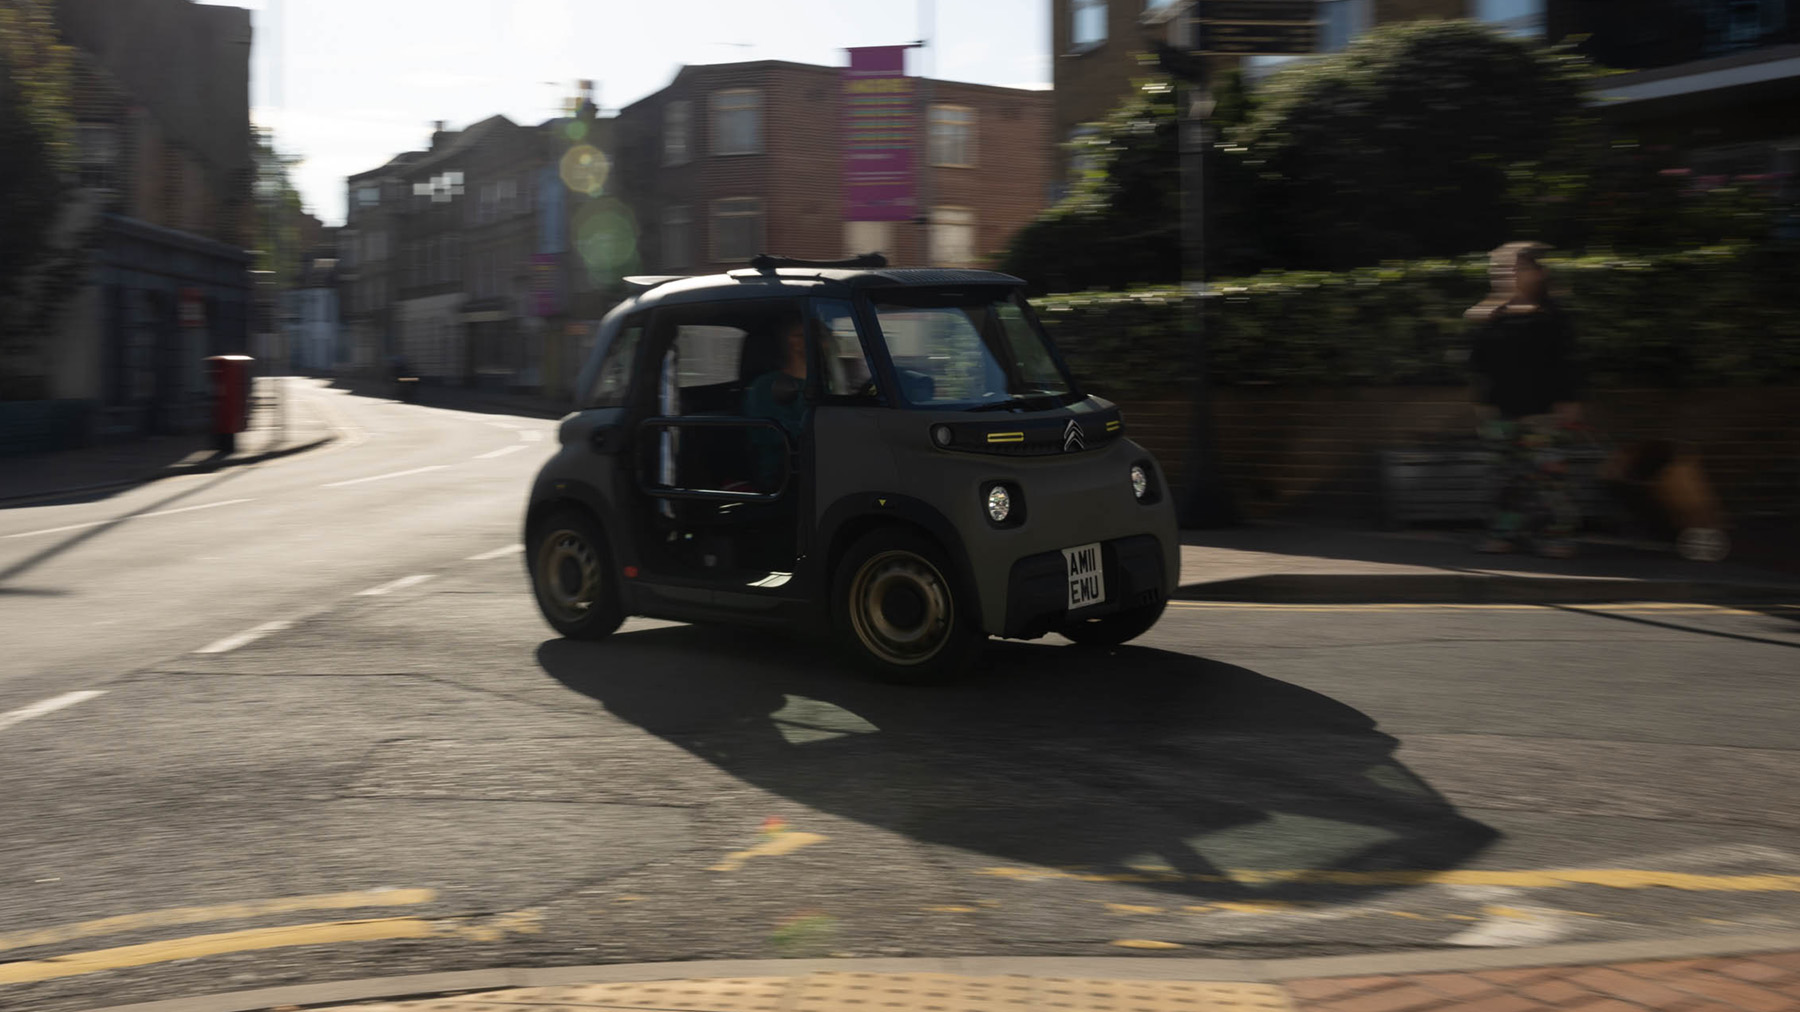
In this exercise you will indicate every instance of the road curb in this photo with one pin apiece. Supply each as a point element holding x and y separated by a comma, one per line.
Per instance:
<point>1255,971</point>
<point>1475,588</point>
<point>207,466</point>
<point>216,464</point>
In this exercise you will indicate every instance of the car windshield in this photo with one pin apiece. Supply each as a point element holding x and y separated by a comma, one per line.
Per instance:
<point>968,350</point>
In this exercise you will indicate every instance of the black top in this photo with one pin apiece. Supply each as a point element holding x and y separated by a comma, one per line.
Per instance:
<point>1524,363</point>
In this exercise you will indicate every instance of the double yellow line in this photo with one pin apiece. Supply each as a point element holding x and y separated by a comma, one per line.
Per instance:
<point>247,940</point>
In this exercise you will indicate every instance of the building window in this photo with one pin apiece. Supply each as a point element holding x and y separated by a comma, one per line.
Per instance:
<point>677,121</point>
<point>490,195</point>
<point>737,122</point>
<point>677,237</point>
<point>98,148</point>
<point>368,196</point>
<point>737,228</point>
<point>953,136</point>
<point>1087,28</point>
<point>506,197</point>
<point>952,237</point>
<point>868,237</point>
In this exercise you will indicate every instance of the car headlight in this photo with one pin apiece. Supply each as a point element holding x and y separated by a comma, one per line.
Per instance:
<point>1140,482</point>
<point>999,504</point>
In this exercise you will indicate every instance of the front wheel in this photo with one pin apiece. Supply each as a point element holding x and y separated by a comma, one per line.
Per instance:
<point>1112,630</point>
<point>571,579</point>
<point>900,612</point>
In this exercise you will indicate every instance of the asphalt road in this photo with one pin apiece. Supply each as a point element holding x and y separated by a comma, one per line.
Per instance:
<point>424,779</point>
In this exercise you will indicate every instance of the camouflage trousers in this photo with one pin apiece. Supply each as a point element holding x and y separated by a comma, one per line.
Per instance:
<point>1532,500</point>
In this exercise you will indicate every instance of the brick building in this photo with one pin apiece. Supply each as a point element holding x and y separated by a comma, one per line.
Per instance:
<point>161,103</point>
<point>736,159</point>
<point>369,270</point>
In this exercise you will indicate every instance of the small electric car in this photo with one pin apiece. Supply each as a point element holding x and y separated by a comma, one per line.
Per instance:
<point>899,456</point>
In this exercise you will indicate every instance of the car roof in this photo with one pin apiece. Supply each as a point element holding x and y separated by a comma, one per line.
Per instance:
<point>760,283</point>
<point>753,283</point>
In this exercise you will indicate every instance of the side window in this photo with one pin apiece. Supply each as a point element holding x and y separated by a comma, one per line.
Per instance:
<point>708,354</point>
<point>613,384</point>
<point>846,368</point>
<point>712,355</point>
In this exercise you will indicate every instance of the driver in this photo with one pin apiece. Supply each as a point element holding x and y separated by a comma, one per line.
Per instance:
<point>778,395</point>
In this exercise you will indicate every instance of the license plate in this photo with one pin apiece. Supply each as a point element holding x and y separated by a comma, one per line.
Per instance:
<point>1087,581</point>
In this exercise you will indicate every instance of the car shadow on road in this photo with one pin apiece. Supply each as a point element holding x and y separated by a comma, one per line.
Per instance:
<point>1132,764</point>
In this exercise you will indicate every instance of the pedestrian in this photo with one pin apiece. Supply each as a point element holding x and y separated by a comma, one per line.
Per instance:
<point>1528,387</point>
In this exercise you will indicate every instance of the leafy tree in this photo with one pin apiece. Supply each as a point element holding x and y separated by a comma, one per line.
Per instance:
<point>279,212</point>
<point>35,129</point>
<point>35,157</point>
<point>1401,146</point>
<point>1120,224</point>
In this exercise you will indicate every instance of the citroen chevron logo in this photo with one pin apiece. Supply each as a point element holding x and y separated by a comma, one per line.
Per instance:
<point>1073,437</point>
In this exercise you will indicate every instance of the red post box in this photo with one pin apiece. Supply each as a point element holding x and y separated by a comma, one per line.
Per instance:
<point>231,398</point>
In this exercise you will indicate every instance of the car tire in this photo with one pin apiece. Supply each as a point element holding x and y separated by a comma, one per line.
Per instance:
<point>572,578</point>
<point>901,613</point>
<point>1119,627</point>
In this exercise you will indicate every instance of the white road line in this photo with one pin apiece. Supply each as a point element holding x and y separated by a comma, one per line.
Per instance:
<point>130,516</point>
<point>51,705</point>
<point>498,553</point>
<point>384,477</point>
<point>504,425</point>
<point>400,584</point>
<point>503,451</point>
<point>531,435</point>
<point>230,643</point>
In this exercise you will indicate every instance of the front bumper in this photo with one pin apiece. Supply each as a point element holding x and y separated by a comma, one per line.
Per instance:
<point>1037,590</point>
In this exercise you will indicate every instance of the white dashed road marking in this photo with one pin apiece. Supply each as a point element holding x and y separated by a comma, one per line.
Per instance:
<point>50,705</point>
<point>247,636</point>
<point>130,516</point>
<point>400,584</point>
<point>384,477</point>
<point>503,451</point>
<point>498,553</point>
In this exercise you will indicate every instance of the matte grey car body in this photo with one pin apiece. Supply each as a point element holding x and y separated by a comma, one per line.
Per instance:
<point>887,489</point>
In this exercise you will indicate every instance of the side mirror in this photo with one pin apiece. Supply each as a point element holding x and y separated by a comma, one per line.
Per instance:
<point>785,389</point>
<point>919,387</point>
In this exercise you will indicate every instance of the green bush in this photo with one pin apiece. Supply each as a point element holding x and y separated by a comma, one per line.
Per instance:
<point>1713,317</point>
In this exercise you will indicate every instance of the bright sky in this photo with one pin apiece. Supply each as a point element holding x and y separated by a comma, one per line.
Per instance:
<point>363,79</point>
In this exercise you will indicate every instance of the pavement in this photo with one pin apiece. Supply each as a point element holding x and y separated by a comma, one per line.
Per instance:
<point>1762,977</point>
<point>291,734</point>
<point>278,428</point>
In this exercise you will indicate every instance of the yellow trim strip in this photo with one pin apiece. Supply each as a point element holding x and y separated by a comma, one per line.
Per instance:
<point>1006,437</point>
<point>1114,425</point>
<point>176,916</point>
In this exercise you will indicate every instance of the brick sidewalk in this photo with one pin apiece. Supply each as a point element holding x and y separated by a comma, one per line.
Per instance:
<point>1761,983</point>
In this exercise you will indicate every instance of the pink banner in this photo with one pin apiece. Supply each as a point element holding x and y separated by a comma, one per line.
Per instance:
<point>880,136</point>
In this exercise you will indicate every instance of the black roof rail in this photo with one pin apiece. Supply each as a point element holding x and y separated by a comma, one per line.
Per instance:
<point>866,262</point>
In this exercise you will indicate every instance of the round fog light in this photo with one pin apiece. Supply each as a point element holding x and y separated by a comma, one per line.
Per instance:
<point>999,504</point>
<point>1140,482</point>
<point>940,434</point>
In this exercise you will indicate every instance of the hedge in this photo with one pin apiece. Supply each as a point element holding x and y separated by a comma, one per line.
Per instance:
<point>1713,317</point>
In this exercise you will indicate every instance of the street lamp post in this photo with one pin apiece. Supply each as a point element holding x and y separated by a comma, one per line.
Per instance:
<point>1205,501</point>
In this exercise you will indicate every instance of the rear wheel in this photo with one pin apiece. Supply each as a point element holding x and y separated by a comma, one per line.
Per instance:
<point>1112,630</point>
<point>571,577</point>
<point>900,612</point>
